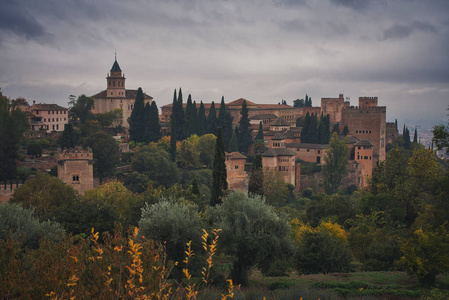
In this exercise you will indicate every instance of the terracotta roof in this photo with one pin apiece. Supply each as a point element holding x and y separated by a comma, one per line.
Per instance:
<point>130,94</point>
<point>305,145</point>
<point>235,155</point>
<point>278,137</point>
<point>278,152</point>
<point>263,117</point>
<point>280,122</point>
<point>364,143</point>
<point>239,102</point>
<point>43,106</point>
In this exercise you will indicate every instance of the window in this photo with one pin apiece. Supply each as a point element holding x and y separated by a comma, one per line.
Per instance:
<point>308,150</point>
<point>366,157</point>
<point>76,179</point>
<point>318,159</point>
<point>319,151</point>
<point>57,126</point>
<point>236,167</point>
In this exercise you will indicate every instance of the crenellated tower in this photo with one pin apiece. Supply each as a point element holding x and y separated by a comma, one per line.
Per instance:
<point>75,168</point>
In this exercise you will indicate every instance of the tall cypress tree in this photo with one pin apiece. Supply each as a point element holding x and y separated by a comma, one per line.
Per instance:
<point>212,119</point>
<point>224,121</point>
<point>415,137</point>
<point>173,129</point>
<point>146,121</point>
<point>68,137</point>
<point>314,139</point>
<point>244,136</point>
<point>219,176</point>
<point>305,132</point>
<point>259,135</point>
<point>180,122</point>
<point>322,130</point>
<point>255,185</point>
<point>137,119</point>
<point>153,130</point>
<point>201,120</point>
<point>233,144</point>
<point>407,143</point>
<point>190,117</point>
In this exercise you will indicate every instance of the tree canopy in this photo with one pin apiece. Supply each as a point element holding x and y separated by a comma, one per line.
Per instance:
<point>336,164</point>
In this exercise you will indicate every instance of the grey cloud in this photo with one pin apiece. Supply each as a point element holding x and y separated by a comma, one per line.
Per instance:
<point>398,31</point>
<point>354,4</point>
<point>17,21</point>
<point>292,25</point>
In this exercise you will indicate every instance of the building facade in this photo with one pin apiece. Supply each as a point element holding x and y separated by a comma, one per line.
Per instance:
<point>75,168</point>
<point>116,96</point>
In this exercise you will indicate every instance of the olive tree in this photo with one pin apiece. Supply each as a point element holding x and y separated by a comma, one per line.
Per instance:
<point>252,233</point>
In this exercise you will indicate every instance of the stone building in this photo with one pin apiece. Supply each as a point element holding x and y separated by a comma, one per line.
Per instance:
<point>116,96</point>
<point>235,170</point>
<point>392,132</point>
<point>44,117</point>
<point>363,154</point>
<point>75,168</point>
<point>282,160</point>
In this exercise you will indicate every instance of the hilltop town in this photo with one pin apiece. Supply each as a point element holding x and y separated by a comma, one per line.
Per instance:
<point>115,197</point>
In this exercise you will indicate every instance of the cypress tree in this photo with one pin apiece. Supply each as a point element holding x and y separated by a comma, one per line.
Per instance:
<point>328,128</point>
<point>173,129</point>
<point>212,119</point>
<point>146,119</point>
<point>259,135</point>
<point>68,137</point>
<point>407,144</point>
<point>322,130</point>
<point>345,130</point>
<point>305,132</point>
<point>137,119</point>
<point>244,137</point>
<point>153,132</point>
<point>219,176</point>
<point>201,120</point>
<point>225,121</point>
<point>336,128</point>
<point>233,144</point>
<point>306,103</point>
<point>396,123</point>
<point>415,137</point>
<point>256,178</point>
<point>190,117</point>
<point>180,123</point>
<point>314,138</point>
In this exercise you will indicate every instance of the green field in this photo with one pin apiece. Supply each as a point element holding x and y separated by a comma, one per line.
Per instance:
<point>356,285</point>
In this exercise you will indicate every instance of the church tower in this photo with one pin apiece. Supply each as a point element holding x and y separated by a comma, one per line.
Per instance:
<point>115,82</point>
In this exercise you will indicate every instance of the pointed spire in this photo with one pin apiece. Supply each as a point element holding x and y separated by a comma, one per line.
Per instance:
<point>115,66</point>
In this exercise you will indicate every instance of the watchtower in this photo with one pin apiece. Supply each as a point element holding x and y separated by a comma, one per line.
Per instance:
<point>75,168</point>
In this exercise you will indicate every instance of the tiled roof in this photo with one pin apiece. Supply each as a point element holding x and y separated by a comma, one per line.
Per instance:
<point>263,117</point>
<point>235,155</point>
<point>47,107</point>
<point>280,122</point>
<point>130,94</point>
<point>278,137</point>
<point>364,143</point>
<point>278,152</point>
<point>239,102</point>
<point>308,146</point>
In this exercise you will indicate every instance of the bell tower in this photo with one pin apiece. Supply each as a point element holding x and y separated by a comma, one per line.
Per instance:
<point>115,82</point>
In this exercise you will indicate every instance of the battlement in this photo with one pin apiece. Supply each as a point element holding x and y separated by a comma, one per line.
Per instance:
<point>368,101</point>
<point>370,108</point>
<point>75,154</point>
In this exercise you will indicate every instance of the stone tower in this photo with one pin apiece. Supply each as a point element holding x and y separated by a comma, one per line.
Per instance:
<point>75,168</point>
<point>115,82</point>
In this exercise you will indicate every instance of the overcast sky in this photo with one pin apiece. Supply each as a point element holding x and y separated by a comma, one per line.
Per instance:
<point>260,50</point>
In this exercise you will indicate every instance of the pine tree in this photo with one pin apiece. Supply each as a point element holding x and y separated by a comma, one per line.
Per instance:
<point>219,176</point>
<point>137,119</point>
<point>256,178</point>
<point>201,120</point>
<point>233,144</point>
<point>212,119</point>
<point>244,136</point>
<point>224,121</point>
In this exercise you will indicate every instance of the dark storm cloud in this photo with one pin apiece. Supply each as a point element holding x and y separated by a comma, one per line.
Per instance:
<point>399,31</point>
<point>15,20</point>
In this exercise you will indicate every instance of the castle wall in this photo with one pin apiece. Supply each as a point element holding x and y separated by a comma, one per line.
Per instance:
<point>333,107</point>
<point>364,156</point>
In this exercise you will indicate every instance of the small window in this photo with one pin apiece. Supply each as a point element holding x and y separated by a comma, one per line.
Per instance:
<point>75,178</point>
<point>366,157</point>
<point>236,167</point>
<point>319,151</point>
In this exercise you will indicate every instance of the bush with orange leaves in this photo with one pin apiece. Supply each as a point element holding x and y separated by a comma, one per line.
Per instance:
<point>120,267</point>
